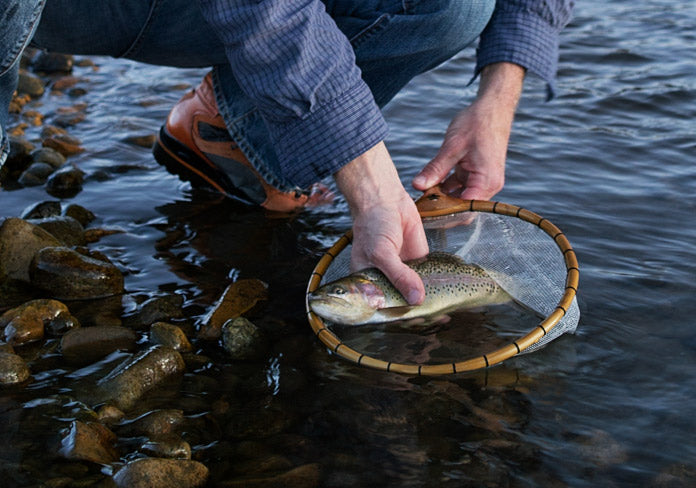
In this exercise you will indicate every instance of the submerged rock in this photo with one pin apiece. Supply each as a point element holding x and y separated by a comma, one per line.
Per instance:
<point>130,381</point>
<point>42,210</point>
<point>89,344</point>
<point>155,423</point>
<point>89,441</point>
<point>80,213</point>
<point>49,156</point>
<point>19,242</point>
<point>242,339</point>
<point>157,309</point>
<point>161,473</point>
<point>67,274</point>
<point>13,369</point>
<point>238,298</point>
<point>36,174</point>
<point>62,142</point>
<point>169,335</point>
<point>65,183</point>
<point>29,322</point>
<point>170,446</point>
<point>306,476</point>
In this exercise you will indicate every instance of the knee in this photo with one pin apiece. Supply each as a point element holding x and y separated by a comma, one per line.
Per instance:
<point>459,23</point>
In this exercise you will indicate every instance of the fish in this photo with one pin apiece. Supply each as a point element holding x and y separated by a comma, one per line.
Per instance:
<point>367,296</point>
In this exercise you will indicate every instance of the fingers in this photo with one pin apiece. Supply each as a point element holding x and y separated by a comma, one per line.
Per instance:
<point>403,278</point>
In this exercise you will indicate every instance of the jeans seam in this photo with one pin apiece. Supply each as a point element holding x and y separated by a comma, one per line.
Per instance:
<point>146,27</point>
<point>378,25</point>
<point>14,54</point>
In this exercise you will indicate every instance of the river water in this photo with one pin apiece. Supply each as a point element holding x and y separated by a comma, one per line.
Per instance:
<point>610,161</point>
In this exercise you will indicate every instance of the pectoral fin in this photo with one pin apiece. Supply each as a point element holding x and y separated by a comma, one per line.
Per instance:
<point>394,313</point>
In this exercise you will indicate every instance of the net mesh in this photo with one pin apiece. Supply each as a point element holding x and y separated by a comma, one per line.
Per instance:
<point>520,256</point>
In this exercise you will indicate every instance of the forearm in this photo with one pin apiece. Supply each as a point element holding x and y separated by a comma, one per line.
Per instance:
<point>499,92</point>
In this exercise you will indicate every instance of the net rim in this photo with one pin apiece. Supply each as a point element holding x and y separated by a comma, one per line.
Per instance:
<point>334,343</point>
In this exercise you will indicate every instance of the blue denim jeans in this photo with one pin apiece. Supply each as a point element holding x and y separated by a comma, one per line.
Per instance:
<point>394,40</point>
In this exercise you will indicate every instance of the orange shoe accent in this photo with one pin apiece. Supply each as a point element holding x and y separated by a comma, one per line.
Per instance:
<point>184,150</point>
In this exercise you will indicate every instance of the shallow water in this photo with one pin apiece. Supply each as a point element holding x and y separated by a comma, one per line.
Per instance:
<point>610,161</point>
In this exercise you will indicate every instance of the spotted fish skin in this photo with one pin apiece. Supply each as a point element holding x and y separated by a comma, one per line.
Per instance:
<point>367,297</point>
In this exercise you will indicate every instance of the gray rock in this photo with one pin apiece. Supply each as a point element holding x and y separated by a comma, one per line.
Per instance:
<point>42,210</point>
<point>170,446</point>
<point>242,339</point>
<point>13,369</point>
<point>68,275</point>
<point>49,156</point>
<point>19,242</point>
<point>80,213</point>
<point>30,84</point>
<point>65,183</point>
<point>161,473</point>
<point>169,335</point>
<point>89,441</point>
<point>36,174</point>
<point>130,381</point>
<point>89,344</point>
<point>66,229</point>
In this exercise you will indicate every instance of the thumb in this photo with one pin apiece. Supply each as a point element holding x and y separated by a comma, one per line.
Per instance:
<point>437,169</point>
<point>404,279</point>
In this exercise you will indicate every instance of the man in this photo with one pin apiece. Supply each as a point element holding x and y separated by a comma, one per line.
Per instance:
<point>295,91</point>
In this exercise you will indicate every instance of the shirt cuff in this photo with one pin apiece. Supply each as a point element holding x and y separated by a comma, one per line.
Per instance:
<point>522,38</point>
<point>323,141</point>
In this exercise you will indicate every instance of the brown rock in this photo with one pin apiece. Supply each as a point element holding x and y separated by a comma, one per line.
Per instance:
<point>52,62</point>
<point>29,84</point>
<point>13,369</point>
<point>169,335</point>
<point>89,344</point>
<point>67,274</point>
<point>161,473</point>
<point>238,298</point>
<point>65,183</point>
<point>170,446</point>
<point>28,322</point>
<point>80,213</point>
<point>49,156</point>
<point>90,441</point>
<point>66,229</point>
<point>63,143</point>
<point>242,339</point>
<point>19,242</point>
<point>154,424</point>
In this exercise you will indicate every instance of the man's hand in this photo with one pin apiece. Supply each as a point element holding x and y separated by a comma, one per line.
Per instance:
<point>387,228</point>
<point>476,141</point>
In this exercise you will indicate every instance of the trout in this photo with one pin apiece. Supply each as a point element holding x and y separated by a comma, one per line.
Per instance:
<point>367,296</point>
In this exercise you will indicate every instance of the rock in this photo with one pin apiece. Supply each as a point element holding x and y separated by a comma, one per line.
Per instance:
<point>17,160</point>
<point>601,450</point>
<point>169,335</point>
<point>89,441</point>
<point>63,143</point>
<point>34,117</point>
<point>306,476</point>
<point>49,156</point>
<point>154,424</point>
<point>35,175</point>
<point>143,141</point>
<point>42,210</point>
<point>65,183</point>
<point>129,382</point>
<point>89,344</point>
<point>5,347</point>
<point>242,339</point>
<point>157,309</point>
<point>13,369</point>
<point>80,213</point>
<point>28,322</point>
<point>65,82</point>
<point>68,275</point>
<point>161,473</point>
<point>29,84</point>
<point>66,229</point>
<point>50,62</point>
<point>170,446</point>
<point>19,242</point>
<point>238,298</point>
<point>110,415</point>
<point>105,311</point>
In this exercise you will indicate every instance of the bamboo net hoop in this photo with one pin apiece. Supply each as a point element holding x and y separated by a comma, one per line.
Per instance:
<point>435,204</point>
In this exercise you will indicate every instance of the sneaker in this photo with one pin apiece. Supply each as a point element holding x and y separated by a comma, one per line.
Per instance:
<point>194,143</point>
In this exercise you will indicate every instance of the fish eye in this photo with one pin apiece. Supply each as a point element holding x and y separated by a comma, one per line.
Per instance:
<point>339,291</point>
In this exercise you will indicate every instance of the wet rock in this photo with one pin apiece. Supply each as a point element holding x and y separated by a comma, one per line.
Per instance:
<point>105,311</point>
<point>42,210</point>
<point>161,473</point>
<point>242,339</point>
<point>169,335</point>
<point>48,156</point>
<point>80,213</point>
<point>5,347</point>
<point>602,450</point>
<point>50,62</point>
<point>30,84</point>
<point>89,441</point>
<point>66,229</point>
<point>157,309</point>
<point>28,322</point>
<point>306,476</point>
<point>13,369</point>
<point>110,415</point>
<point>129,382</point>
<point>238,298</point>
<point>68,275</point>
<point>63,143</point>
<point>89,344</point>
<point>95,235</point>
<point>170,446</point>
<point>36,174</point>
<point>266,464</point>
<point>34,117</point>
<point>142,141</point>
<point>17,160</point>
<point>65,183</point>
<point>154,424</point>
<point>65,82</point>
<point>19,242</point>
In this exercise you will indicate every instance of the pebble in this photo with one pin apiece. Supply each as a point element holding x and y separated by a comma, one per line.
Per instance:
<point>63,143</point>
<point>49,156</point>
<point>68,275</point>
<point>242,339</point>
<point>129,382</point>
<point>30,84</point>
<point>89,441</point>
<point>42,210</point>
<point>170,446</point>
<point>28,322</point>
<point>161,473</point>
<point>50,62</point>
<point>19,242</point>
<point>13,369</point>
<point>153,424</point>
<point>66,229</point>
<point>169,335</point>
<point>89,344</point>
<point>65,183</point>
<point>80,213</point>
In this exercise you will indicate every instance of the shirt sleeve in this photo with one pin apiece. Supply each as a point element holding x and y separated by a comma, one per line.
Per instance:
<point>299,69</point>
<point>525,32</point>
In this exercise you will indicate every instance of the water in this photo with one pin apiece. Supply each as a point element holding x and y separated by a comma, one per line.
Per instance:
<point>610,161</point>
